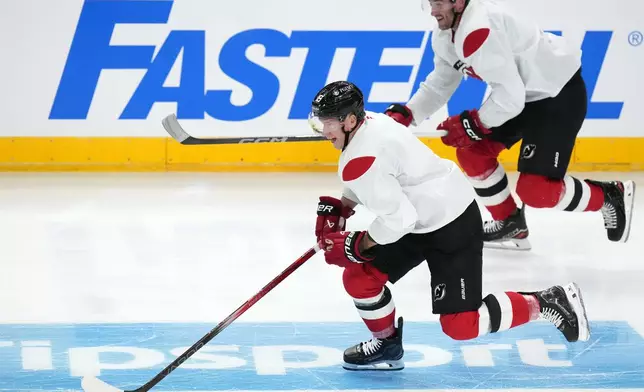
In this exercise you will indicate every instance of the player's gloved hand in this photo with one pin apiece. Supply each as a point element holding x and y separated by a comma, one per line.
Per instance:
<point>332,216</point>
<point>463,129</point>
<point>343,248</point>
<point>400,113</point>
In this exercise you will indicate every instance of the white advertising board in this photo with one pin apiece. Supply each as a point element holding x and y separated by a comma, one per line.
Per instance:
<point>249,67</point>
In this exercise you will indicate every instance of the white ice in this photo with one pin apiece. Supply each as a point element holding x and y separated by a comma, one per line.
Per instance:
<point>130,247</point>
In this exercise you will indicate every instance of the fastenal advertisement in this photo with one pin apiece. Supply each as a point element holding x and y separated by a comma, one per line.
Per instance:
<point>115,68</point>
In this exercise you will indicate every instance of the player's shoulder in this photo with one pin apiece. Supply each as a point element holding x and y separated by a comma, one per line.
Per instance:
<point>378,121</point>
<point>367,150</point>
<point>357,167</point>
<point>381,130</point>
<point>477,27</point>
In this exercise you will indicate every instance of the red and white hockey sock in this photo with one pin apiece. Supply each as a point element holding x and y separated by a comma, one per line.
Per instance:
<point>580,196</point>
<point>494,193</point>
<point>366,286</point>
<point>499,312</point>
<point>378,313</point>
<point>507,310</point>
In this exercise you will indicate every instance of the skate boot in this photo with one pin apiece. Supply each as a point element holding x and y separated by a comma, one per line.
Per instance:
<point>564,307</point>
<point>618,208</point>
<point>377,354</point>
<point>510,233</point>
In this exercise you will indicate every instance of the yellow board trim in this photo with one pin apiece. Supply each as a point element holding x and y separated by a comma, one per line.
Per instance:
<point>164,154</point>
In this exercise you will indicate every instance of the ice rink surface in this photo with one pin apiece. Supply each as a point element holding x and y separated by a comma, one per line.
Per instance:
<point>115,274</point>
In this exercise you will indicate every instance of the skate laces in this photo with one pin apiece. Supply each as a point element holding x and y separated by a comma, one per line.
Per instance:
<point>492,226</point>
<point>610,216</point>
<point>553,316</point>
<point>371,346</point>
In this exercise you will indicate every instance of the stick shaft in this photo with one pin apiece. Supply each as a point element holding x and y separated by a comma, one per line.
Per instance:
<point>191,141</point>
<point>172,126</point>
<point>228,320</point>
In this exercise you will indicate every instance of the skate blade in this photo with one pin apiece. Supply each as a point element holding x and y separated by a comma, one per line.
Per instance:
<point>573,293</point>
<point>379,366</point>
<point>522,244</point>
<point>629,202</point>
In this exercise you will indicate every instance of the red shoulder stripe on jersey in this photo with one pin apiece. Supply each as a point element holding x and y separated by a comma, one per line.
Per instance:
<point>474,41</point>
<point>357,167</point>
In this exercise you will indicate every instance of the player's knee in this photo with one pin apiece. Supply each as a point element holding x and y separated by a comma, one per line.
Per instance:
<point>461,326</point>
<point>471,161</point>
<point>363,281</point>
<point>538,191</point>
<point>480,158</point>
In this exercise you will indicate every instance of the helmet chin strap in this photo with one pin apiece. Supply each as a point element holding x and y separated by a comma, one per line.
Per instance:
<point>346,139</point>
<point>348,133</point>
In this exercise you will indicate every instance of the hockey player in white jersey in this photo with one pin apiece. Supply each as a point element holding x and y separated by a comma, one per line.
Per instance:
<point>537,95</point>
<point>425,211</point>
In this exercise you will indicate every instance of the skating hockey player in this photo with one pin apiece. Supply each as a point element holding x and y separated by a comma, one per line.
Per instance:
<point>537,95</point>
<point>425,211</point>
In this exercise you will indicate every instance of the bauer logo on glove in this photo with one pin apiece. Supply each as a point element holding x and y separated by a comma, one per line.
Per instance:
<point>331,216</point>
<point>348,246</point>
<point>343,248</point>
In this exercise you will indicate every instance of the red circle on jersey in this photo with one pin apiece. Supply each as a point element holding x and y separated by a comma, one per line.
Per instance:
<point>356,168</point>
<point>474,41</point>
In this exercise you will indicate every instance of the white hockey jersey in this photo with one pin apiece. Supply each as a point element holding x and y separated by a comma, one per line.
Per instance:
<point>519,62</point>
<point>393,174</point>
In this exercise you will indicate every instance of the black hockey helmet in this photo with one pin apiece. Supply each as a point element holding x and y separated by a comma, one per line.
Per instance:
<point>338,100</point>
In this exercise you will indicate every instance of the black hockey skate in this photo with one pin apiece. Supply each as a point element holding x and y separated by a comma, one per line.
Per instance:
<point>377,354</point>
<point>618,208</point>
<point>564,307</point>
<point>510,233</point>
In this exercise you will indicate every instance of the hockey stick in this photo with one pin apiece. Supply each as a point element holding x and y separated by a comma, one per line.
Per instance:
<point>93,384</point>
<point>172,126</point>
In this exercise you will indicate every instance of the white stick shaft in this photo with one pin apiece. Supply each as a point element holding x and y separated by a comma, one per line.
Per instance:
<point>436,133</point>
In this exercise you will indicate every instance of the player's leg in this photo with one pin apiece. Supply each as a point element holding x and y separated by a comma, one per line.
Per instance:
<point>480,164</point>
<point>456,264</point>
<point>487,176</point>
<point>546,153</point>
<point>366,285</point>
<point>561,305</point>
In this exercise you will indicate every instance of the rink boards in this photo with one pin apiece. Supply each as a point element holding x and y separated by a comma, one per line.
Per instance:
<point>165,154</point>
<point>306,356</point>
<point>93,79</point>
